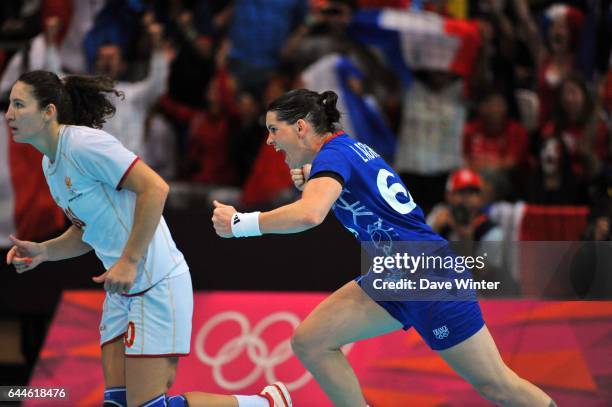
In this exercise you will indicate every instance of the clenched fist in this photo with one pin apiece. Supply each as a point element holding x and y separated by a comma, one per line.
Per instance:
<point>222,218</point>
<point>299,176</point>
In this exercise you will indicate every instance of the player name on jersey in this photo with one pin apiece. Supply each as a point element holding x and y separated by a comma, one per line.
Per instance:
<point>364,152</point>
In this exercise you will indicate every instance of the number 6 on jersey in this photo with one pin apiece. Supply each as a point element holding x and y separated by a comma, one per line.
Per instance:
<point>389,193</point>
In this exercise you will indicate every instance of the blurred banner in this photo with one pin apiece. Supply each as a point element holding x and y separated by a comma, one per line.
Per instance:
<point>419,40</point>
<point>361,117</point>
<point>240,342</point>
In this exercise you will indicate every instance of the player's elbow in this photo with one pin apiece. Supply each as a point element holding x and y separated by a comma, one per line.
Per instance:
<point>161,189</point>
<point>313,213</point>
<point>313,218</point>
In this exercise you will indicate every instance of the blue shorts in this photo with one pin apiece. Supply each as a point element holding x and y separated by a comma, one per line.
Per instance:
<point>441,324</point>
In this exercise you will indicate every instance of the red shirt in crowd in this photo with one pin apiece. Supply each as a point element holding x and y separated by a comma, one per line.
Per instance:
<point>503,149</point>
<point>210,133</point>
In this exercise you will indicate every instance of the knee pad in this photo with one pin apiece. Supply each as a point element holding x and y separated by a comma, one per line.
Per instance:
<point>115,397</point>
<point>157,401</point>
<point>177,401</point>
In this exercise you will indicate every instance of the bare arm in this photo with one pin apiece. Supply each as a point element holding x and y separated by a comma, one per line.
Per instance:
<point>151,192</point>
<point>309,211</point>
<point>66,246</point>
<point>529,30</point>
<point>26,255</point>
<point>150,89</point>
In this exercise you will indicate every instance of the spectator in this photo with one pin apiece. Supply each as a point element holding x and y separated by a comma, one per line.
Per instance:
<point>247,137</point>
<point>197,29</point>
<point>257,32</point>
<point>599,225</point>
<point>322,33</point>
<point>161,145</point>
<point>72,50</point>
<point>430,136</point>
<point>269,181</point>
<point>361,116</point>
<point>494,142</point>
<point>194,66</point>
<point>128,123</point>
<point>117,23</point>
<point>556,60</point>
<point>554,182</point>
<point>462,218</point>
<point>19,20</point>
<point>210,129</point>
<point>496,67</point>
<point>577,124</point>
<point>67,21</point>
<point>590,267</point>
<point>40,53</point>
<point>57,14</point>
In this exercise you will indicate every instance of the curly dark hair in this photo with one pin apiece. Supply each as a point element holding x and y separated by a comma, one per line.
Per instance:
<point>79,100</point>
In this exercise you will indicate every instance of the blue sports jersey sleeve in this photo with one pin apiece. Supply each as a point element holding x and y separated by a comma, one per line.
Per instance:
<point>331,160</point>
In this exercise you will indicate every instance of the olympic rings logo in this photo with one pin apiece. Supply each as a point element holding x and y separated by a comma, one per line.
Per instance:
<point>264,359</point>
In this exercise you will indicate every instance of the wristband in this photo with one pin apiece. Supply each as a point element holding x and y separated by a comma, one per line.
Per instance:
<point>245,224</point>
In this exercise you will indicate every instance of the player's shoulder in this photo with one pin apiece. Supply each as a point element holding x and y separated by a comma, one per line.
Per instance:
<point>332,152</point>
<point>81,137</point>
<point>342,143</point>
<point>84,132</point>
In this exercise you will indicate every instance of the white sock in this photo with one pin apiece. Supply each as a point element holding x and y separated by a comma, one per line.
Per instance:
<point>252,401</point>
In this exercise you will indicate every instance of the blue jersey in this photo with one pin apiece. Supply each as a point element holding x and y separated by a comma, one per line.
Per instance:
<point>377,208</point>
<point>374,205</point>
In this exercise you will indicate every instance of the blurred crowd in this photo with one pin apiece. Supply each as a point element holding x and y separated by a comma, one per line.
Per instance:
<point>472,101</point>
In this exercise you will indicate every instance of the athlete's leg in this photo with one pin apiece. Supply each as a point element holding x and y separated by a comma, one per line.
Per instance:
<point>113,364</point>
<point>148,378</point>
<point>478,361</point>
<point>274,395</point>
<point>346,316</point>
<point>198,399</point>
<point>112,326</point>
<point>168,307</point>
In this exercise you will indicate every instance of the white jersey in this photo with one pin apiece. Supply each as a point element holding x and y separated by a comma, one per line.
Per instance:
<point>85,180</point>
<point>430,135</point>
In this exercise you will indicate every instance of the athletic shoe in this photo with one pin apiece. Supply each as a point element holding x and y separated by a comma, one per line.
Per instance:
<point>277,394</point>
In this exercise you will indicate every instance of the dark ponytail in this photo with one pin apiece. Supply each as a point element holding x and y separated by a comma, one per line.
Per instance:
<point>318,109</point>
<point>79,100</point>
<point>90,103</point>
<point>329,99</point>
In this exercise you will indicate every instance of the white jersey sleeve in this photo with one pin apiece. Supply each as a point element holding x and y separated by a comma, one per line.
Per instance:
<point>103,158</point>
